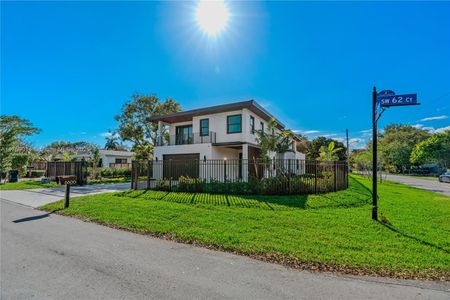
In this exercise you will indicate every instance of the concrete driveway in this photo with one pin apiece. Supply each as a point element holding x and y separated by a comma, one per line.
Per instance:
<point>39,197</point>
<point>45,256</point>
<point>425,184</point>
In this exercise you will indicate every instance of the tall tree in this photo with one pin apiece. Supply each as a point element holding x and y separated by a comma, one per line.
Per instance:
<point>273,140</point>
<point>134,126</point>
<point>12,129</point>
<point>314,146</point>
<point>397,143</point>
<point>113,142</point>
<point>63,150</point>
<point>434,149</point>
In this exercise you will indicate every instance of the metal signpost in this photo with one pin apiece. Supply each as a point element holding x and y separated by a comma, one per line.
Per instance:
<point>384,100</point>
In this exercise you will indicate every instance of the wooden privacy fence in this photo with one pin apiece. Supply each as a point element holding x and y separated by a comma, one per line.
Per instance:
<point>65,168</point>
<point>241,176</point>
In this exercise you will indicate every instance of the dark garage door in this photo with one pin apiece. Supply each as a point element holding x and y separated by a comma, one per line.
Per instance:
<point>176,165</point>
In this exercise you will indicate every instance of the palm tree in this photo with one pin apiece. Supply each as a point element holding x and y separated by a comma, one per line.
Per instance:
<point>273,141</point>
<point>329,153</point>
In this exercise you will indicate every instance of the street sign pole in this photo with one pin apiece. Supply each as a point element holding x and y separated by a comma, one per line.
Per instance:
<point>384,99</point>
<point>374,154</point>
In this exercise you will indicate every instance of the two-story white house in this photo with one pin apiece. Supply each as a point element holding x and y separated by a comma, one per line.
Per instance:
<point>222,132</point>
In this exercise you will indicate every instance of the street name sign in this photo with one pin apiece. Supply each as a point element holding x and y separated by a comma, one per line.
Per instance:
<point>397,100</point>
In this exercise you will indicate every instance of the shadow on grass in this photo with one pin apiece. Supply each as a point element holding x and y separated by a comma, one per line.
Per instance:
<point>38,217</point>
<point>393,229</point>
<point>356,195</point>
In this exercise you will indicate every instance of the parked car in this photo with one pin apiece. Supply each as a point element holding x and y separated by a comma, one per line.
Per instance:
<point>445,177</point>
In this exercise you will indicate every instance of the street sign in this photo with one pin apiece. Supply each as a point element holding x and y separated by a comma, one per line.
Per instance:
<point>385,98</point>
<point>397,100</point>
<point>386,93</point>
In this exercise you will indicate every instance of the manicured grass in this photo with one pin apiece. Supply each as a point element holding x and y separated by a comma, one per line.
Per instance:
<point>332,231</point>
<point>26,185</point>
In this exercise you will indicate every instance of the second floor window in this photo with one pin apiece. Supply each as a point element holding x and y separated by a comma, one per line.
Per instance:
<point>234,124</point>
<point>120,160</point>
<point>252,124</point>
<point>204,127</point>
<point>262,127</point>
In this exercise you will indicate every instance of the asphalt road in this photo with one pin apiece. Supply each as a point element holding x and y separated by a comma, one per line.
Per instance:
<point>39,197</point>
<point>425,184</point>
<point>54,257</point>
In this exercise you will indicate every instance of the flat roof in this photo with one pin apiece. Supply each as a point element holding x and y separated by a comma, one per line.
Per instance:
<point>187,115</point>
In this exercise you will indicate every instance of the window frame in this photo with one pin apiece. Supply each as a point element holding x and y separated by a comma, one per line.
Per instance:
<point>262,126</point>
<point>121,160</point>
<point>202,133</point>
<point>228,123</point>
<point>252,124</point>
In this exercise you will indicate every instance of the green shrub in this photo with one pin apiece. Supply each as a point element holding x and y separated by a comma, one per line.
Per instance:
<point>162,185</point>
<point>114,172</point>
<point>36,174</point>
<point>19,162</point>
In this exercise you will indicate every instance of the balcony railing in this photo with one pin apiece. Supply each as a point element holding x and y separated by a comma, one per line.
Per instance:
<point>186,139</point>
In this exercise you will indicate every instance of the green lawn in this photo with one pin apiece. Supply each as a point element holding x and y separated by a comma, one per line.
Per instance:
<point>25,185</point>
<point>328,232</point>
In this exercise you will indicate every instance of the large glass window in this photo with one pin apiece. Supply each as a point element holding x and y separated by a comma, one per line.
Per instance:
<point>234,124</point>
<point>204,127</point>
<point>183,135</point>
<point>252,124</point>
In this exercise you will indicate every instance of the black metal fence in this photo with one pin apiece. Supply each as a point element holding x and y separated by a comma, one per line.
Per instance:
<point>62,168</point>
<point>241,176</point>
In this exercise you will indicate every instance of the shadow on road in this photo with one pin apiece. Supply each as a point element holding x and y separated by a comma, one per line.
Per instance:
<point>38,217</point>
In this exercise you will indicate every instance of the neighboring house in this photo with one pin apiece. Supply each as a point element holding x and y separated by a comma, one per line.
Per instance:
<point>223,132</point>
<point>110,158</point>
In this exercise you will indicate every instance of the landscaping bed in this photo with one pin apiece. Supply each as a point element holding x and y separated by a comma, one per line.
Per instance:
<point>332,232</point>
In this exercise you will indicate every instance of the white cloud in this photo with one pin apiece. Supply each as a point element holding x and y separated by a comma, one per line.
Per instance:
<point>430,129</point>
<point>339,139</point>
<point>311,131</point>
<point>109,134</point>
<point>418,126</point>
<point>305,131</point>
<point>357,143</point>
<point>329,135</point>
<point>443,117</point>
<point>442,129</point>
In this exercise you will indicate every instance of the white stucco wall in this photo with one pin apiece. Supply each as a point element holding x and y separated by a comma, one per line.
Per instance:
<point>107,159</point>
<point>218,124</point>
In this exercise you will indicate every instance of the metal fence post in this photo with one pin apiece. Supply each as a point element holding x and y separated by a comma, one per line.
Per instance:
<point>335,175</point>
<point>315,177</point>
<point>148,174</point>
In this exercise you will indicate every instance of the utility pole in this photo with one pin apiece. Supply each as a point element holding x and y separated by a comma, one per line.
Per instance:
<point>374,155</point>
<point>348,154</point>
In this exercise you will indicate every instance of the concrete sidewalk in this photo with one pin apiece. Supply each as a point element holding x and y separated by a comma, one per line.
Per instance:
<point>46,256</point>
<point>39,197</point>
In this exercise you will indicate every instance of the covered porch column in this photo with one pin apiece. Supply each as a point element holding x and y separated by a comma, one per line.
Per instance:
<point>159,138</point>
<point>245,162</point>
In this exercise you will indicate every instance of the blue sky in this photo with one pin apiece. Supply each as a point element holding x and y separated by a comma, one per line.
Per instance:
<point>69,66</point>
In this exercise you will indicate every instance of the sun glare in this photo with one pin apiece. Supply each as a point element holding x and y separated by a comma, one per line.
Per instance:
<point>212,16</point>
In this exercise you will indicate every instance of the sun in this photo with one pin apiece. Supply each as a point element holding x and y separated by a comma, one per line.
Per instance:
<point>212,16</point>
